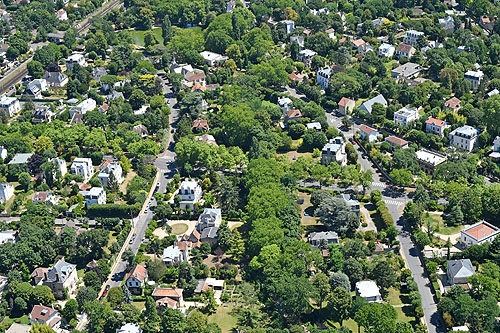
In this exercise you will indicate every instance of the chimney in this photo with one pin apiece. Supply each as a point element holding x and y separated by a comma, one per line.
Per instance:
<point>57,277</point>
<point>173,287</point>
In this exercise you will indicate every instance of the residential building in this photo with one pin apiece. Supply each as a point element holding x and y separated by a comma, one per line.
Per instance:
<point>365,48</point>
<point>141,130</point>
<point>41,314</point>
<point>213,59</point>
<point>61,278</point>
<point>98,73</point>
<point>386,50</point>
<point>209,235</point>
<point>318,12</point>
<point>429,160</point>
<point>474,77</point>
<point>453,104</point>
<point>486,23</point>
<point>369,291</point>
<point>96,195</point>
<point>42,113</point>
<point>129,328</point>
<point>412,37</point>
<point>75,58</point>
<point>464,137</point>
<point>346,105</point>
<point>38,275</point>
<point>289,25</point>
<point>478,234</point>
<point>21,159</point>
<point>196,76</point>
<point>334,151</point>
<point>324,238</point>
<point>435,126</point>
<point>190,193</point>
<point>405,115</point>
<point>367,132</point>
<point>396,142</point>
<point>405,50</point>
<point>200,125</point>
<point>110,167</point>
<point>293,114</point>
<point>353,203</point>
<point>306,56</point>
<point>323,77</point>
<point>211,217</point>
<point>82,166</point>
<point>168,297</point>
<point>285,103</point>
<point>331,34</point>
<point>495,154</point>
<point>459,271</point>
<point>206,138</point>
<point>367,106</point>
<point>3,152</point>
<point>209,283</point>
<point>448,23</point>
<point>6,192</point>
<point>406,71</point>
<point>44,197</point>
<point>298,39</point>
<point>316,126</point>
<point>82,108</point>
<point>136,279</point>
<point>10,105</point>
<point>297,78</point>
<point>172,255</point>
<point>61,166</point>
<point>62,15</point>
<point>18,328</point>
<point>8,237</point>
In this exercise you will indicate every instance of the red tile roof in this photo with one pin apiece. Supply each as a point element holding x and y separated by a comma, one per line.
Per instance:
<point>139,272</point>
<point>452,102</point>
<point>480,231</point>
<point>40,196</point>
<point>404,48</point>
<point>200,124</point>
<point>42,314</point>
<point>294,113</point>
<point>397,141</point>
<point>435,122</point>
<point>343,102</point>
<point>166,302</point>
<point>366,129</point>
<point>198,86</point>
<point>358,42</point>
<point>172,292</point>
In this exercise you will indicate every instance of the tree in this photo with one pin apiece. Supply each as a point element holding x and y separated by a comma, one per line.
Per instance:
<point>352,268</point>
<point>224,237</point>
<point>421,238</point>
<point>92,280</point>
<point>337,216</point>
<point>384,275</point>
<point>115,297</point>
<point>137,99</point>
<point>151,318</point>
<point>321,287</point>
<point>70,310</point>
<point>401,177</point>
<point>35,69</point>
<point>127,295</point>
<point>85,295</point>
<point>166,30</point>
<point>366,178</point>
<point>413,214</point>
<point>448,77</point>
<point>339,304</point>
<point>378,113</point>
<point>24,180</point>
<point>403,327</point>
<point>455,216</point>
<point>41,328</point>
<point>42,295</point>
<point>339,279</point>
<point>196,322</point>
<point>376,317</point>
<point>173,320</point>
<point>420,195</point>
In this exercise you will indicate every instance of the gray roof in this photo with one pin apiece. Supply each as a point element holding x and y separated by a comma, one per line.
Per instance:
<point>326,235</point>
<point>210,233</point>
<point>62,268</point>
<point>333,145</point>
<point>460,268</point>
<point>18,328</point>
<point>20,158</point>
<point>369,103</point>
<point>465,130</point>
<point>349,200</point>
<point>55,77</point>
<point>407,69</point>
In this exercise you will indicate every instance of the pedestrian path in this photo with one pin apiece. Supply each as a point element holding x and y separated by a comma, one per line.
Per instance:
<point>393,202</point>
<point>378,184</point>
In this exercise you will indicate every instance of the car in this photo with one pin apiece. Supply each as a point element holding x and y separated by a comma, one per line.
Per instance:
<point>105,292</point>
<point>132,239</point>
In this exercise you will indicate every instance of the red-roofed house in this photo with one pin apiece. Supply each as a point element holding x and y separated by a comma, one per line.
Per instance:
<point>198,88</point>
<point>200,125</point>
<point>396,142</point>
<point>297,78</point>
<point>453,104</point>
<point>478,233</point>
<point>436,126</point>
<point>293,114</point>
<point>346,105</point>
<point>168,297</point>
<point>136,279</point>
<point>405,50</point>
<point>44,196</point>
<point>45,315</point>
<point>367,132</point>
<point>104,108</point>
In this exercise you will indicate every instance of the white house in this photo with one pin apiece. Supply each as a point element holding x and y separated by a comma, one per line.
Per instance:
<point>459,271</point>
<point>367,106</point>
<point>474,77</point>
<point>211,217</point>
<point>6,192</point>
<point>405,116</point>
<point>44,196</point>
<point>213,59</point>
<point>96,195</point>
<point>334,151</point>
<point>369,291</point>
<point>61,278</point>
<point>464,137</point>
<point>190,193</point>
<point>8,237</point>
<point>108,168</point>
<point>10,105</point>
<point>298,39</point>
<point>412,37</point>
<point>435,126</point>
<point>75,58</point>
<point>406,71</point>
<point>448,23</point>
<point>62,15</point>
<point>405,50</point>
<point>285,104</point>
<point>495,154</point>
<point>3,152</point>
<point>367,132</point>
<point>42,113</point>
<point>61,165</point>
<point>41,314</point>
<point>136,279</point>
<point>82,108</point>
<point>82,166</point>
<point>478,234</point>
<point>56,79</point>
<point>306,56</point>
<point>129,328</point>
<point>323,77</point>
<point>386,50</point>
<point>289,24</point>
<point>172,255</point>
<point>35,88</point>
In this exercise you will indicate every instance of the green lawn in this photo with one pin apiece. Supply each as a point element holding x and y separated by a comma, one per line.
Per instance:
<point>350,324</point>
<point>401,303</point>
<point>140,305</point>
<point>441,228</point>
<point>308,208</point>
<point>80,273</point>
<point>138,36</point>
<point>224,319</point>
<point>179,228</point>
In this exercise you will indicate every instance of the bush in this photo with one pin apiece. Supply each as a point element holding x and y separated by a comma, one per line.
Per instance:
<point>113,210</point>
<point>375,196</point>
<point>364,224</point>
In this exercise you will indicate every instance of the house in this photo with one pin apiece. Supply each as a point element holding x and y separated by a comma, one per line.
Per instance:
<point>172,255</point>
<point>486,23</point>
<point>82,108</point>
<point>356,43</point>
<point>211,217</point>
<point>56,37</point>
<point>346,105</point>
<point>213,59</point>
<point>369,291</point>
<point>306,56</point>
<point>478,234</point>
<point>8,237</point>
<point>405,115</point>
<point>10,105</point>
<point>331,34</point>
<point>75,58</point>
<point>6,192</point>
<point>62,15</point>
<point>334,151</point>
<point>297,78</point>
<point>491,93</point>
<point>386,50</point>
<point>44,315</point>
<point>316,126</point>
<point>462,328</point>
<point>3,152</point>
<point>98,73</point>
<point>429,160</point>
<point>406,71</point>
<point>435,126</point>
<point>38,275</point>
<point>200,125</point>
<point>448,23</point>
<point>115,95</point>
<point>61,166</point>
<point>21,159</point>
<point>110,167</point>
<point>365,48</point>
<point>323,77</point>
<point>293,114</point>
<point>96,195</point>
<point>474,77</point>
<point>318,239</point>
<point>136,279</point>
<point>209,283</point>
<point>396,142</point>
<point>209,235</point>
<point>412,37</point>
<point>464,137</point>
<point>453,104</point>
<point>367,132</point>
<point>18,328</point>
<point>42,113</point>
<point>285,103</point>
<point>298,39</point>
<point>82,166</point>
<point>61,278</point>
<point>190,193</point>
<point>289,25</point>
<point>206,138</point>
<point>44,196</point>
<point>495,154</point>
<point>367,106</point>
<point>129,328</point>
<point>141,130</point>
<point>191,78</point>
<point>405,50</point>
<point>320,11</point>
<point>35,88</point>
<point>459,271</point>
<point>353,203</point>
<point>168,297</point>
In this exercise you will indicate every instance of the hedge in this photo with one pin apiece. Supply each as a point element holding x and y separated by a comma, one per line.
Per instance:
<point>114,210</point>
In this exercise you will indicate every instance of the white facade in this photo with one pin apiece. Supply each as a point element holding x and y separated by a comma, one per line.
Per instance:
<point>113,167</point>
<point>412,37</point>
<point>323,77</point>
<point>405,115</point>
<point>306,56</point>
<point>96,195</point>
<point>290,25</point>
<point>82,166</point>
<point>172,255</point>
<point>474,77</point>
<point>62,15</point>
<point>334,151</point>
<point>190,193</point>
<point>3,152</point>
<point>129,328</point>
<point>6,192</point>
<point>85,106</point>
<point>10,105</point>
<point>386,50</point>
<point>8,237</point>
<point>76,58</point>
<point>213,59</point>
<point>478,234</point>
<point>369,291</point>
<point>211,217</point>
<point>61,165</point>
<point>464,137</point>
<point>285,104</point>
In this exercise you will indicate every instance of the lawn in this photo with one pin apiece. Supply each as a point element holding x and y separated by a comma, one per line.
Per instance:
<point>139,305</point>
<point>350,324</point>
<point>179,228</point>
<point>307,209</point>
<point>123,186</point>
<point>223,318</point>
<point>138,36</point>
<point>293,154</point>
<point>400,302</point>
<point>436,220</point>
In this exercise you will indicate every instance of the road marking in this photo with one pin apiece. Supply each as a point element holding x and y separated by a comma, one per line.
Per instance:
<point>378,184</point>
<point>393,202</point>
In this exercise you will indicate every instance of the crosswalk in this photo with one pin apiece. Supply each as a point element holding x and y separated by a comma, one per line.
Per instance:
<point>378,184</point>
<point>393,202</point>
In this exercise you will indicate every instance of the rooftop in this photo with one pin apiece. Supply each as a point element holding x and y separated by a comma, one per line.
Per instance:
<point>481,230</point>
<point>367,289</point>
<point>20,158</point>
<point>430,157</point>
<point>395,140</point>
<point>461,268</point>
